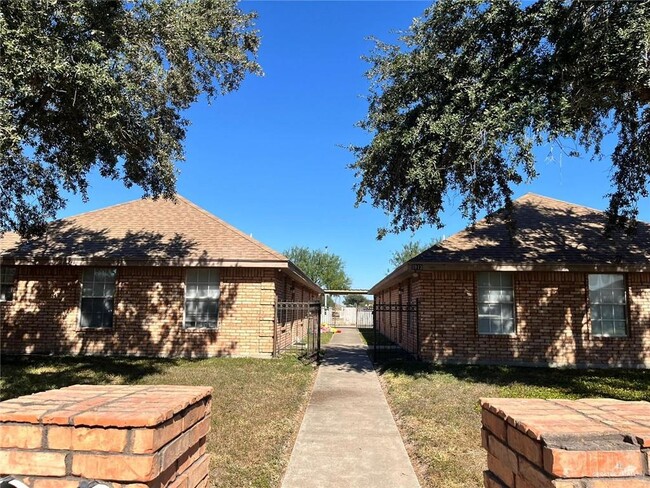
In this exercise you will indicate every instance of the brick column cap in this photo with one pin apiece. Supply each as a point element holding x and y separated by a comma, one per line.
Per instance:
<point>103,405</point>
<point>587,422</point>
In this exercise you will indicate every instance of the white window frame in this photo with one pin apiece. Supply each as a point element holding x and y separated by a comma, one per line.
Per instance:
<point>597,320</point>
<point>7,278</point>
<point>500,289</point>
<point>193,278</point>
<point>96,296</point>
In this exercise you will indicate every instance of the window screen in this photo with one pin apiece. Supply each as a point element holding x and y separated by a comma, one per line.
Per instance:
<point>607,305</point>
<point>97,293</point>
<point>495,303</point>
<point>201,297</point>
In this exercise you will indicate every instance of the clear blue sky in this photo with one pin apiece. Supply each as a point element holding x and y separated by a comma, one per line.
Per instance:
<point>267,159</point>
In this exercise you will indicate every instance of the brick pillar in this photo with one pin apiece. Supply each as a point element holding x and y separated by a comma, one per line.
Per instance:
<point>140,436</point>
<point>592,443</point>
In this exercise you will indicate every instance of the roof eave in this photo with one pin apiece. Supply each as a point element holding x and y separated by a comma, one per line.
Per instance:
<point>121,261</point>
<point>532,266</point>
<point>417,266</point>
<point>389,279</point>
<point>300,276</point>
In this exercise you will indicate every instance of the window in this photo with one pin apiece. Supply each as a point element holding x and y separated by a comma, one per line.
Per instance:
<point>97,293</point>
<point>7,274</point>
<point>607,305</point>
<point>201,298</point>
<point>495,303</point>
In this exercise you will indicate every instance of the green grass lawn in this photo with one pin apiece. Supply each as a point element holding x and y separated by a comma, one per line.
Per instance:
<point>326,337</point>
<point>438,414</point>
<point>256,409</point>
<point>368,336</point>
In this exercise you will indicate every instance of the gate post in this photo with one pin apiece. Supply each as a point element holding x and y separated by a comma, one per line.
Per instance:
<point>374,331</point>
<point>417,328</point>
<point>318,334</point>
<point>275,328</point>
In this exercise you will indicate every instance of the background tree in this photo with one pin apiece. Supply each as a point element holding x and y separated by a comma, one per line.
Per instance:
<point>409,251</point>
<point>102,84</point>
<point>356,301</point>
<point>325,269</point>
<point>474,86</point>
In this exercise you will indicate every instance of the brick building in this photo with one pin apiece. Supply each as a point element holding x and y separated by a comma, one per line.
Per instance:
<point>555,292</point>
<point>146,278</point>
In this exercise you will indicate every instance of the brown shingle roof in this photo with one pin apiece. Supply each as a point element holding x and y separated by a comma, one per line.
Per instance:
<point>142,230</point>
<point>549,233</point>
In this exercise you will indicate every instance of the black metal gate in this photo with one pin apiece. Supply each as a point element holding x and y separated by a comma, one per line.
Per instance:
<point>396,331</point>
<point>297,329</point>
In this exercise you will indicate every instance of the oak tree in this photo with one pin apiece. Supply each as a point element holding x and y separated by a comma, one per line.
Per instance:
<point>102,84</point>
<point>324,268</point>
<point>459,104</point>
<point>409,250</point>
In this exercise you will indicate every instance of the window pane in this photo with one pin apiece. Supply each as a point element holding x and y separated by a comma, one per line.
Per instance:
<point>203,275</point>
<point>620,328</point>
<point>619,313</point>
<point>97,289</point>
<point>96,312</point>
<point>85,319</point>
<point>506,280</point>
<point>596,327</point>
<point>495,302</point>
<point>6,292</point>
<point>97,292</point>
<point>190,291</point>
<point>608,327</point>
<point>483,294</point>
<point>214,291</point>
<point>109,290</point>
<point>7,274</point>
<point>595,282</point>
<point>483,279</point>
<point>507,296</point>
<point>201,297</point>
<point>508,326</point>
<point>506,312</point>
<point>595,312</point>
<point>607,313</point>
<point>607,304</point>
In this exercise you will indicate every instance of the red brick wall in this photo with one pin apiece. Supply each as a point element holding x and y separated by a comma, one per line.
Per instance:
<point>395,324</point>
<point>552,321</point>
<point>289,290</point>
<point>44,315</point>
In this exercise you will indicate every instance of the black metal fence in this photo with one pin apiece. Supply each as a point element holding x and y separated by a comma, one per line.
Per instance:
<point>297,329</point>
<point>396,331</point>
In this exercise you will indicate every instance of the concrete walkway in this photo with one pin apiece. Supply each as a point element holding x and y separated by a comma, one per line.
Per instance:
<point>348,438</point>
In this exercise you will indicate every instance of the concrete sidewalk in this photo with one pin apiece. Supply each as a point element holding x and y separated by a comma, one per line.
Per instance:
<point>348,438</point>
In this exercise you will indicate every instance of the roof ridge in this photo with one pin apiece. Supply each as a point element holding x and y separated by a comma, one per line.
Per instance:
<point>231,227</point>
<point>539,195</point>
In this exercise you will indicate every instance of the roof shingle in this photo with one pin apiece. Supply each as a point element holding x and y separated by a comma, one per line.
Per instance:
<point>549,234</point>
<point>142,230</point>
<point>548,231</point>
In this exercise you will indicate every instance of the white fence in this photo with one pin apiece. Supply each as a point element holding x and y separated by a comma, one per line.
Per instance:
<point>347,317</point>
